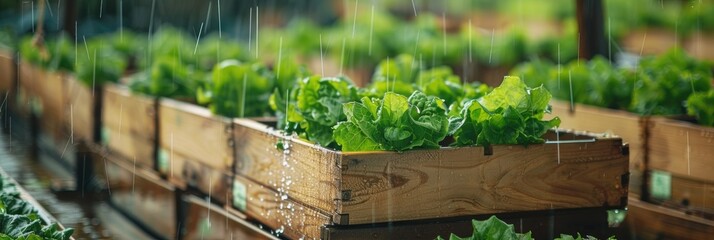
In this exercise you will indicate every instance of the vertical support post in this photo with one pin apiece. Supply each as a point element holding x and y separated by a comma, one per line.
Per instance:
<point>591,39</point>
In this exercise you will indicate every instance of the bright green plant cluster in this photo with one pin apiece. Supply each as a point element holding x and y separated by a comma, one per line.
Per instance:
<point>19,219</point>
<point>660,85</point>
<point>496,229</point>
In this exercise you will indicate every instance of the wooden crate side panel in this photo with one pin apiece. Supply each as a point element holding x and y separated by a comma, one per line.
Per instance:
<point>7,69</point>
<point>209,221</point>
<point>143,195</point>
<point>128,124</point>
<point>78,108</point>
<point>629,126</point>
<point>207,180</point>
<point>195,134</point>
<point>26,87</point>
<point>463,181</point>
<point>306,173</point>
<point>649,41</point>
<point>681,148</point>
<point>51,96</point>
<point>689,195</point>
<point>650,221</point>
<point>293,219</point>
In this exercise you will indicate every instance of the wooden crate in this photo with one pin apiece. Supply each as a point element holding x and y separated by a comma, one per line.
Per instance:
<point>141,195</point>
<point>650,221</point>
<point>42,92</point>
<point>208,181</point>
<point>279,212</point>
<point>79,107</point>
<point>542,225</point>
<point>370,187</point>
<point>129,124</point>
<point>629,126</point>
<point>208,221</point>
<point>682,193</point>
<point>7,72</point>
<point>681,148</point>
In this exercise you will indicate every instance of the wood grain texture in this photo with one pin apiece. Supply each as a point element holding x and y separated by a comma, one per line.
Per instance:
<point>209,221</point>
<point>689,195</point>
<point>542,225</point>
<point>650,221</point>
<point>453,182</point>
<point>308,174</point>
<point>43,91</point>
<point>143,195</point>
<point>681,148</point>
<point>78,108</point>
<point>7,72</point>
<point>369,187</point>
<point>207,180</point>
<point>192,133</point>
<point>267,206</point>
<point>629,126</point>
<point>128,122</point>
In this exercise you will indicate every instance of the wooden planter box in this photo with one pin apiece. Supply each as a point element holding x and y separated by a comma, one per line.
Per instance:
<point>681,148</point>
<point>80,108</point>
<point>195,148</point>
<point>372,187</point>
<point>204,220</point>
<point>298,221</point>
<point>141,195</point>
<point>277,211</point>
<point>629,126</point>
<point>681,193</point>
<point>650,221</point>
<point>42,92</point>
<point>7,72</point>
<point>129,124</point>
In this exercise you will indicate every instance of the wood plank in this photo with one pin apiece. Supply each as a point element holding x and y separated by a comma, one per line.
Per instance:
<point>129,124</point>
<point>208,221</point>
<point>688,195</point>
<point>79,109</point>
<point>650,221</point>
<point>699,45</point>
<point>629,126</point>
<point>305,172</point>
<point>51,95</point>
<point>368,187</point>
<point>681,148</point>
<point>292,219</point>
<point>142,195</point>
<point>193,134</point>
<point>649,41</point>
<point>542,225</point>
<point>209,181</point>
<point>7,72</point>
<point>450,182</point>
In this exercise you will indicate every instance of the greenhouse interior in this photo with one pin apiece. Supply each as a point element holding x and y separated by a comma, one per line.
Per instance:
<point>349,119</point>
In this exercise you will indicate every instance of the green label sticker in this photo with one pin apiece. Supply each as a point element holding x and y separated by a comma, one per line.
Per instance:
<point>104,135</point>
<point>239,195</point>
<point>661,185</point>
<point>163,161</point>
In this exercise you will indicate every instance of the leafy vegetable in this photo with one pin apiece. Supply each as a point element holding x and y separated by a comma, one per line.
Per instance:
<point>699,105</point>
<point>59,53</point>
<point>19,220</point>
<point>510,114</point>
<point>393,123</point>
<point>168,77</point>
<point>103,64</point>
<point>491,229</point>
<point>317,107</point>
<point>238,90</point>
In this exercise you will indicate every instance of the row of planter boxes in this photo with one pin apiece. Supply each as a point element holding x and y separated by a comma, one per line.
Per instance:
<point>671,160</point>
<point>164,146</point>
